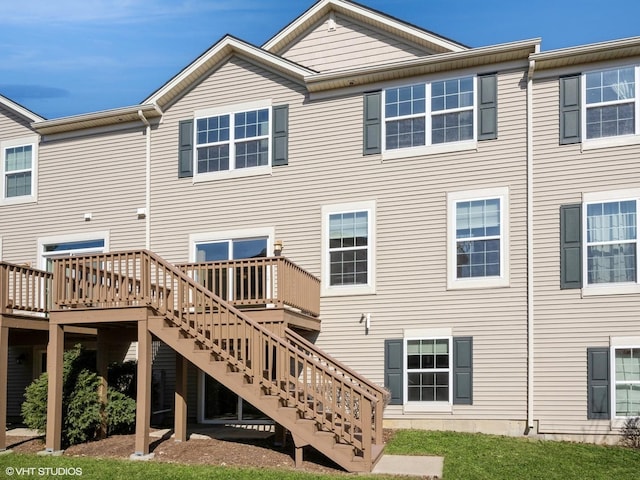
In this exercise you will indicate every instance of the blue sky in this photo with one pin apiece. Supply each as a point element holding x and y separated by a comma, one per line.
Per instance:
<point>65,57</point>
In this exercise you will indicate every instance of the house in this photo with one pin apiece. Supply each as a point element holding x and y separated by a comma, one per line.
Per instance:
<point>447,225</point>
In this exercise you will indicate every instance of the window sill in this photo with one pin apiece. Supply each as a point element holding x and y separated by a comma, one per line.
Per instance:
<point>477,283</point>
<point>18,200</point>
<point>348,290</point>
<point>611,289</point>
<point>427,407</point>
<point>607,142</point>
<point>237,173</point>
<point>429,150</point>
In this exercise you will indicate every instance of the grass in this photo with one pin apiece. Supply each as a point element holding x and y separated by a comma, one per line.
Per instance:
<point>467,457</point>
<point>477,456</point>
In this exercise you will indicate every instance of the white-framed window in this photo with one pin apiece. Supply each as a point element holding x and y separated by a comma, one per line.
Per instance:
<point>478,229</point>
<point>348,248</point>
<point>70,245</point>
<point>235,139</point>
<point>625,374</point>
<point>610,253</point>
<point>19,170</point>
<point>428,369</point>
<point>429,113</point>
<point>610,106</point>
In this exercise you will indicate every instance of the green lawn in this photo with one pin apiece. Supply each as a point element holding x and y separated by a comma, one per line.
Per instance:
<point>467,457</point>
<point>476,456</point>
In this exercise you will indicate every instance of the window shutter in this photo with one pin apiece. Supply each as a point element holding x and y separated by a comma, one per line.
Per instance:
<point>393,375</point>
<point>598,402</point>
<point>487,107</point>
<point>569,110</point>
<point>280,135</point>
<point>372,123</point>
<point>185,149</point>
<point>571,246</point>
<point>463,370</point>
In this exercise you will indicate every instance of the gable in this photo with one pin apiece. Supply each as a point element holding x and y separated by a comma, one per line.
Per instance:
<point>338,42</point>
<point>12,124</point>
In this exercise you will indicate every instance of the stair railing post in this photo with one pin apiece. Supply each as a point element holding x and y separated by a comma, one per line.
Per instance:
<point>365,421</point>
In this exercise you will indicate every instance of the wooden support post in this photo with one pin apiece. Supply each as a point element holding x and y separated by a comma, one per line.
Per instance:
<point>4,357</point>
<point>102,366</point>
<point>298,456</point>
<point>143,400</point>
<point>55,353</point>
<point>181,398</point>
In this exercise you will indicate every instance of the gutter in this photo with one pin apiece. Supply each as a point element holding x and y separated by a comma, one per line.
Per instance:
<point>530,306</point>
<point>147,216</point>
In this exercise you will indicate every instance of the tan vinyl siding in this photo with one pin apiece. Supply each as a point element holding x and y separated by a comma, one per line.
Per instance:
<point>566,324</point>
<point>13,125</point>
<point>326,166</point>
<point>349,45</point>
<point>101,174</point>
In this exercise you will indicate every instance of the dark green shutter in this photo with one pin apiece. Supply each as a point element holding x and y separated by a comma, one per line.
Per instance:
<point>571,246</point>
<point>280,135</point>
<point>569,109</point>
<point>598,399</point>
<point>462,370</point>
<point>372,123</point>
<point>487,107</point>
<point>185,149</point>
<point>393,375</point>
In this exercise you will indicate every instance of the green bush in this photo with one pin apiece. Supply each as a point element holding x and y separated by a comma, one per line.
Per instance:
<point>82,411</point>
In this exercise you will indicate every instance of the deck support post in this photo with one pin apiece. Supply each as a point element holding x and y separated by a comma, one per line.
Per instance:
<point>181,399</point>
<point>143,400</point>
<point>298,456</point>
<point>102,366</point>
<point>4,360</point>
<point>55,359</point>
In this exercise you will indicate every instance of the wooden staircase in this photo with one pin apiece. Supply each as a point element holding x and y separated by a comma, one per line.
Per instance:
<point>322,403</point>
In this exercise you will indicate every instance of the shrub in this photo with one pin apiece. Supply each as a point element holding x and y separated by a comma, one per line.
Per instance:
<point>631,433</point>
<point>82,411</point>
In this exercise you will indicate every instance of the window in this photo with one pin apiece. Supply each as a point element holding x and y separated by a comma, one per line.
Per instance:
<point>71,245</point>
<point>429,113</point>
<point>611,242</point>
<point>610,102</point>
<point>18,170</point>
<point>627,381</point>
<point>428,370</point>
<point>478,230</point>
<point>232,141</point>
<point>348,248</point>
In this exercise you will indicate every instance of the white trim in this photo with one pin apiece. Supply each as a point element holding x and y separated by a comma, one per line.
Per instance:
<point>73,237</point>
<point>425,406</point>
<point>503,280</point>
<point>369,288</point>
<point>33,142</point>
<point>613,140</point>
<point>621,342</point>
<point>430,148</point>
<point>233,171</point>
<point>596,289</point>
<point>218,236</point>
<point>29,115</point>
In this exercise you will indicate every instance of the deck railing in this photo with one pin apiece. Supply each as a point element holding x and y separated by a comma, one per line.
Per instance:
<point>24,289</point>
<point>259,281</point>
<point>318,387</point>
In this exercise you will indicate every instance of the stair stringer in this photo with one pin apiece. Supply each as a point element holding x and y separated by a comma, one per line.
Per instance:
<point>306,431</point>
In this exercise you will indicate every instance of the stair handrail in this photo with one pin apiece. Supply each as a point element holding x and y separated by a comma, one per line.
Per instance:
<point>143,278</point>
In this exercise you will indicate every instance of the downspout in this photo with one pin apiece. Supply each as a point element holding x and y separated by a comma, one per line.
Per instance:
<point>147,217</point>
<point>530,309</point>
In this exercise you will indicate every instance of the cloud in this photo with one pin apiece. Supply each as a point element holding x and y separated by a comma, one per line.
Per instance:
<point>111,11</point>
<point>22,92</point>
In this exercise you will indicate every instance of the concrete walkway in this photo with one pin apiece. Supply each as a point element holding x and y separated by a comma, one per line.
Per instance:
<point>409,465</point>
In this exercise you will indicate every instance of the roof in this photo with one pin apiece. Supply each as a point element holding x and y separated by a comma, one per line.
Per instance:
<point>594,52</point>
<point>289,34</point>
<point>218,53</point>
<point>19,109</point>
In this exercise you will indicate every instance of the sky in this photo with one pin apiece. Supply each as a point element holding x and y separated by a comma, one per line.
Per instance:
<point>67,57</point>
